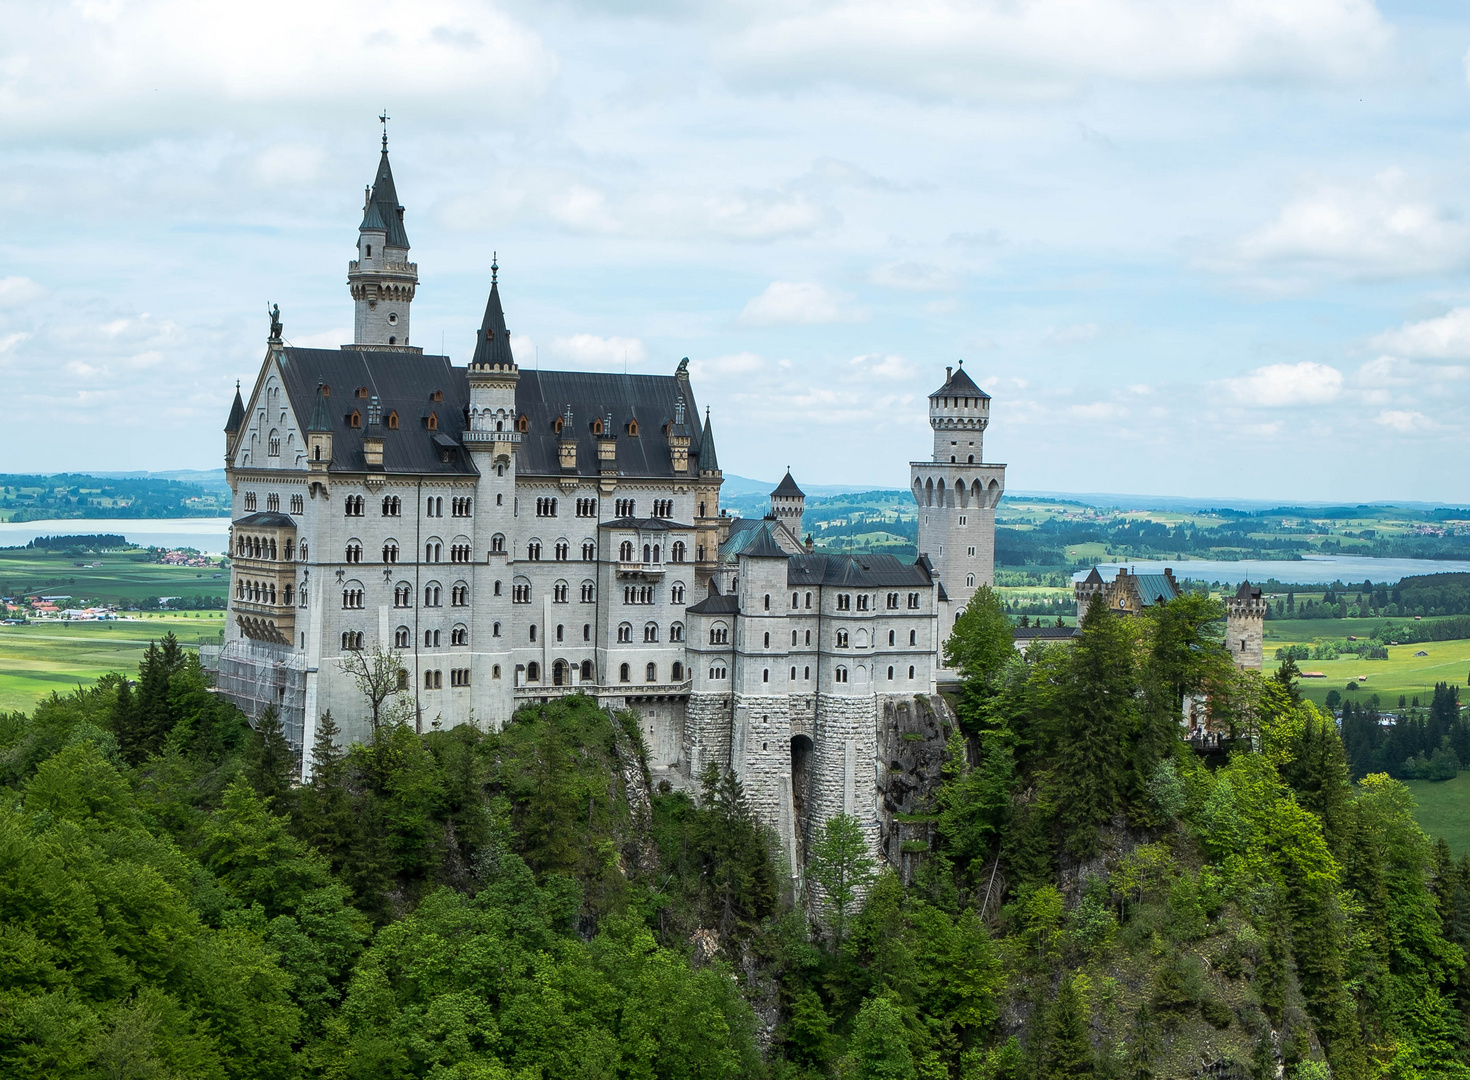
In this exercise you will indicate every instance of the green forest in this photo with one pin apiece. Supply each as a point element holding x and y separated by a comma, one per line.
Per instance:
<point>79,495</point>
<point>1095,899</point>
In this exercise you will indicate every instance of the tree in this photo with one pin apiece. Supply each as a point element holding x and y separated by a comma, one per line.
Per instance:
<point>981,642</point>
<point>880,1046</point>
<point>1066,1049</point>
<point>842,868</point>
<point>380,675</point>
<point>272,764</point>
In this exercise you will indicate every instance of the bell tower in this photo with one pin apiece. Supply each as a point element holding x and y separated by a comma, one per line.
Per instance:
<point>381,279</point>
<point>957,493</point>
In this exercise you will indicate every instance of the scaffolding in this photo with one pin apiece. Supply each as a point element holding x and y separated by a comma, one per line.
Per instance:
<point>256,675</point>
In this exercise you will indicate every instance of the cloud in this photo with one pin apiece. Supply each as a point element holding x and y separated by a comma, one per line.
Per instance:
<point>1402,421</point>
<point>742,363</point>
<point>607,352</point>
<point>912,276</point>
<point>15,291</point>
<point>1387,228</point>
<point>884,366</point>
<point>1446,337</point>
<point>798,303</point>
<point>171,64</point>
<point>287,163</point>
<point>1285,384</point>
<point>325,339</point>
<point>950,48</point>
<point>1098,410</point>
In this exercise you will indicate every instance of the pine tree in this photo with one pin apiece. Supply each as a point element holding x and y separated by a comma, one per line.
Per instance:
<point>1144,1045</point>
<point>271,764</point>
<point>1317,772</point>
<point>326,819</point>
<point>1066,1049</point>
<point>841,866</point>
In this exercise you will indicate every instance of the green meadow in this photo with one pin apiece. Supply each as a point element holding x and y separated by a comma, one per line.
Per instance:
<point>1441,810</point>
<point>43,656</point>
<point>117,578</point>
<point>1403,673</point>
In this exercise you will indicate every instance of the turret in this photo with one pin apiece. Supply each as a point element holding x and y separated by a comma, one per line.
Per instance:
<point>234,423</point>
<point>1245,626</point>
<point>381,279</point>
<point>788,503</point>
<point>959,413</point>
<point>492,375</point>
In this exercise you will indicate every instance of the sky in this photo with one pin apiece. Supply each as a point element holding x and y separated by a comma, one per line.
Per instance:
<point>1210,250</point>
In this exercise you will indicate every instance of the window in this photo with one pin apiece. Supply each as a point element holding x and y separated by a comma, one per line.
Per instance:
<point>768,602</point>
<point>352,641</point>
<point>893,601</point>
<point>433,506</point>
<point>589,551</point>
<point>625,508</point>
<point>495,630</point>
<point>392,506</point>
<point>352,506</point>
<point>497,544</point>
<point>625,551</point>
<point>352,599</point>
<point>717,672</point>
<point>970,552</point>
<point>637,594</point>
<point>403,595</point>
<point>250,500</point>
<point>650,673</point>
<point>587,631</point>
<point>963,519</point>
<point>459,677</point>
<point>523,423</point>
<point>298,504</point>
<point>793,674</point>
<point>765,674</point>
<point>533,631</point>
<point>678,551</point>
<point>969,581</point>
<point>586,673</point>
<point>560,632</point>
<point>913,601</point>
<point>701,509</point>
<point>274,444</point>
<point>842,639</point>
<point>586,508</point>
<point>647,552</point>
<point>533,672</point>
<point>676,673</point>
<point>767,643</point>
<point>461,507</point>
<point>890,673</point>
<point>431,639</point>
<point>400,637</point>
<point>546,507</point>
<point>559,592</point>
<point>393,421</point>
<point>533,551</point>
<point>913,637</point>
<point>676,592</point>
<point>460,635</point>
<point>844,602</point>
<point>676,632</point>
<point>840,675</point>
<point>625,633</point>
<point>433,680</point>
<point>719,634</point>
<point>354,552</point>
<point>624,674</point>
<point>911,671</point>
<point>562,550</point>
<point>892,637</point>
<point>433,551</point>
<point>650,632</point>
<point>402,673</point>
<point>431,596</point>
<point>495,672</point>
<point>589,592</point>
<point>273,503</point>
<point>390,552</point>
<point>663,508</point>
<point>459,595</point>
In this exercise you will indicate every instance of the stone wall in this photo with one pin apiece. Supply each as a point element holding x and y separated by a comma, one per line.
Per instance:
<point>706,732</point>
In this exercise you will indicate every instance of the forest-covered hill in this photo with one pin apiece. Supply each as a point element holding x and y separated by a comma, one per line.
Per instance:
<point>1093,898</point>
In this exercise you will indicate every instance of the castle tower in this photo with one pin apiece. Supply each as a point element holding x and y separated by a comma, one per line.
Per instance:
<point>957,494</point>
<point>788,503</point>
<point>1086,591</point>
<point>1245,626</point>
<point>381,279</point>
<point>492,439</point>
<point>707,535</point>
<point>234,423</point>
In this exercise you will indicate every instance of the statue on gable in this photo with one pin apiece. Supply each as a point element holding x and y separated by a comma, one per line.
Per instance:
<point>274,311</point>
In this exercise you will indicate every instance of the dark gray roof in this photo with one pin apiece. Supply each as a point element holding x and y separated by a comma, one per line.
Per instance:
<point>787,488</point>
<point>383,211</point>
<point>492,343</point>
<point>960,384</point>
<point>542,396</point>
<point>1247,591</point>
<point>763,547</point>
<point>267,519</point>
<point>857,571</point>
<point>716,604</point>
<point>1094,578</point>
<point>1044,633</point>
<point>403,383</point>
<point>237,413</point>
<point>321,413</point>
<point>646,524</point>
<point>707,460</point>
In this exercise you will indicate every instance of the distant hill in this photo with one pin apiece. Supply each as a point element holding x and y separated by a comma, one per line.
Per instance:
<point>26,497</point>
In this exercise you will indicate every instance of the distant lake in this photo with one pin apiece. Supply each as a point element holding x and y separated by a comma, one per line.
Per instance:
<point>206,534</point>
<point>1310,570</point>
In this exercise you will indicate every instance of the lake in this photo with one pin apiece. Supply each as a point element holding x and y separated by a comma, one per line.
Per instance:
<point>1312,570</point>
<point>206,534</point>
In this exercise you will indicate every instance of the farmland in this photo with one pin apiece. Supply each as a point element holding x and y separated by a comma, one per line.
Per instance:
<point>125,578</point>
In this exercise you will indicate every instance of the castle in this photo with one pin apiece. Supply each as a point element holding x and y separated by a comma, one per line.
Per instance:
<point>488,536</point>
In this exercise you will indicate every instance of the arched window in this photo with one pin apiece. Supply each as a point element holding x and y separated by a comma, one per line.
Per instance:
<point>625,632</point>
<point>676,592</point>
<point>840,675</point>
<point>533,631</point>
<point>625,551</point>
<point>559,673</point>
<point>893,637</point>
<point>678,551</point>
<point>913,637</point>
<point>495,672</point>
<point>676,632</point>
<point>768,602</point>
<point>497,544</point>
<point>623,673</point>
<point>969,581</point>
<point>842,639</point>
<point>766,644</point>
<point>890,673</point>
<point>765,674</point>
<point>647,552</point>
<point>808,601</point>
<point>401,637</point>
<point>806,674</point>
<point>650,673</point>
<point>650,632</point>
<point>676,673</point>
<point>460,635</point>
<point>533,672</point>
<point>586,674</point>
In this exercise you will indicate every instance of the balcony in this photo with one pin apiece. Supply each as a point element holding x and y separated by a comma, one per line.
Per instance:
<point>637,569</point>
<point>474,436</point>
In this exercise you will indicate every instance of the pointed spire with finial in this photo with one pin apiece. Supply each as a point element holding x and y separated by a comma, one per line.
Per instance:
<point>492,343</point>
<point>383,211</point>
<point>237,413</point>
<point>708,462</point>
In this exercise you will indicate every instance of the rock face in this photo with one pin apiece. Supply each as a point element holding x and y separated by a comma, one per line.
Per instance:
<point>911,741</point>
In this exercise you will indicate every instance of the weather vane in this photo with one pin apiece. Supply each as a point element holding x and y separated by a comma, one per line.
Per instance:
<point>383,119</point>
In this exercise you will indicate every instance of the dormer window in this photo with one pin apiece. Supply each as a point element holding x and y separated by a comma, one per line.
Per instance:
<point>362,391</point>
<point>437,395</point>
<point>597,427</point>
<point>354,419</point>
<point>633,428</point>
<point>556,425</point>
<point>393,421</point>
<point>432,423</point>
<point>523,423</point>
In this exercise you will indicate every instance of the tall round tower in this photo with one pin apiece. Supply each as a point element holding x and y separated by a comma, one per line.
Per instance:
<point>381,279</point>
<point>1245,626</point>
<point>957,493</point>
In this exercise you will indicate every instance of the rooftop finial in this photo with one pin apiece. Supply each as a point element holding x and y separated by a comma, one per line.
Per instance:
<point>383,119</point>
<point>494,266</point>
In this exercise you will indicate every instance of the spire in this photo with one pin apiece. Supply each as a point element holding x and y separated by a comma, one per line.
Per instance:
<point>708,462</point>
<point>787,488</point>
<point>237,412</point>
<point>492,343</point>
<point>321,419</point>
<point>383,213</point>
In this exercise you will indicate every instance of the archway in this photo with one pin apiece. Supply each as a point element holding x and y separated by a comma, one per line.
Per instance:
<point>801,784</point>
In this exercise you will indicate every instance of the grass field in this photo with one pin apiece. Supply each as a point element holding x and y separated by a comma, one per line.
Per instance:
<point>1444,810</point>
<point>44,656</point>
<point>118,579</point>
<point>1402,673</point>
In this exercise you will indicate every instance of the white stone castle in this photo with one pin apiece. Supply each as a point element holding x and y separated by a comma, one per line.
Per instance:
<point>511,536</point>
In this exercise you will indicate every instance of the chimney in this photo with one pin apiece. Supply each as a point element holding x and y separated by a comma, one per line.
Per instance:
<point>948,373</point>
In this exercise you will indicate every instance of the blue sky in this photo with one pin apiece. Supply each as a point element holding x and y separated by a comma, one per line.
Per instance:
<point>1198,249</point>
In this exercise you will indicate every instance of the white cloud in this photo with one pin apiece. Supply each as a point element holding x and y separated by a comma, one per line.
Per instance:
<point>1446,337</point>
<point>1403,421</point>
<point>798,303</point>
<point>15,291</point>
<point>884,366</point>
<point>952,48</point>
<point>325,339</point>
<point>606,352</point>
<point>1285,384</point>
<point>912,276</point>
<point>1387,228</point>
<point>10,341</point>
<point>742,363</point>
<point>287,163</point>
<point>1098,410</point>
